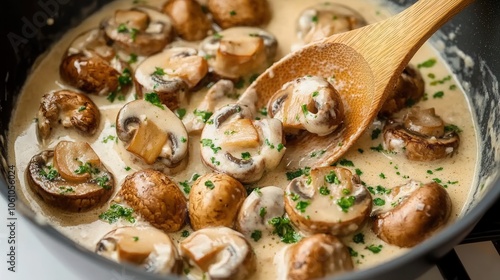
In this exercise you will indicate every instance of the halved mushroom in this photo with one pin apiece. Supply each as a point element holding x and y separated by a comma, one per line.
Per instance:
<point>140,30</point>
<point>153,133</point>
<point>233,143</point>
<point>316,256</point>
<point>214,200</point>
<point>94,67</point>
<point>420,135</point>
<point>155,198</point>
<point>308,103</point>
<point>220,252</point>
<point>71,109</point>
<point>239,51</point>
<point>147,247</point>
<point>258,208</point>
<point>239,12</point>
<point>409,89</point>
<point>188,19</point>
<point>419,210</point>
<point>327,200</point>
<point>325,19</point>
<point>169,74</point>
<point>70,177</point>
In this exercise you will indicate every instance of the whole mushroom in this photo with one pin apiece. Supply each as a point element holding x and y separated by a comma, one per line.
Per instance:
<point>307,103</point>
<point>71,109</point>
<point>233,143</point>
<point>214,200</point>
<point>153,133</point>
<point>421,135</point>
<point>140,30</point>
<point>220,252</point>
<point>317,256</point>
<point>70,177</point>
<point>419,211</point>
<point>239,12</point>
<point>188,19</point>
<point>327,200</point>
<point>155,198</point>
<point>239,51</point>
<point>146,247</point>
<point>170,74</point>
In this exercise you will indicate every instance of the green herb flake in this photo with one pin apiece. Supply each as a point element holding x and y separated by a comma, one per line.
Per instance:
<point>352,252</point>
<point>452,128</point>
<point>66,190</point>
<point>262,211</point>
<point>185,233</point>
<point>103,182</point>
<point>82,108</point>
<point>379,201</point>
<point>316,93</point>
<point>438,94</point>
<point>116,212</point>
<point>159,71</point>
<point>439,169</point>
<point>294,196</point>
<point>332,178</point>
<point>358,171</point>
<point>453,87</point>
<point>302,205</point>
<point>271,145</point>
<point>430,172</point>
<point>346,202</point>
<point>346,162</point>
<point>359,238</point>
<point>375,133</point>
<point>361,151</point>
<point>382,175</point>
<point>437,180</point>
<point>50,174</point>
<point>125,78</point>
<point>314,19</point>
<point>136,238</point>
<point>346,192</point>
<point>203,115</point>
<point>290,175</point>
<point>284,229</point>
<point>427,64</point>
<point>132,59</point>
<point>185,187</point>
<point>86,168</point>
<point>108,138</point>
<point>263,111</point>
<point>257,191</point>
<point>154,99</point>
<point>256,235</point>
<point>209,184</point>
<point>324,191</point>
<point>374,248</point>
<point>180,113</point>
<point>122,28</point>
<point>127,168</point>
<point>232,13</point>
<point>246,156</point>
<point>379,148</point>
<point>304,109</point>
<point>280,147</point>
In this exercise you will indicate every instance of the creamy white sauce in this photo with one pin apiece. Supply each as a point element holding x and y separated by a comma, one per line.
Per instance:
<point>86,229</point>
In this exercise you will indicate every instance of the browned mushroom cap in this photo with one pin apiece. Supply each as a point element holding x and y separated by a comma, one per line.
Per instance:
<point>92,66</point>
<point>152,133</point>
<point>420,210</point>
<point>188,19</point>
<point>214,200</point>
<point>220,252</point>
<point>239,12</point>
<point>69,108</point>
<point>326,19</point>
<point>169,74</point>
<point>156,198</point>
<point>233,143</point>
<point>409,90</point>
<point>421,135</point>
<point>308,103</point>
<point>239,51</point>
<point>70,177</point>
<point>140,30</point>
<point>258,208</point>
<point>317,256</point>
<point>147,247</point>
<point>327,200</point>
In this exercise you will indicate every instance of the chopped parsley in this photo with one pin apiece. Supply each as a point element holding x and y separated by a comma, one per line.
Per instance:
<point>452,128</point>
<point>132,59</point>
<point>181,112</point>
<point>122,28</point>
<point>209,184</point>
<point>262,211</point>
<point>239,84</point>
<point>263,111</point>
<point>346,202</point>
<point>382,175</point>
<point>271,145</point>
<point>438,94</point>
<point>324,191</point>
<point>290,175</point>
<point>256,235</point>
<point>125,78</point>
<point>183,139</point>
<point>257,191</point>
<point>103,182</point>
<point>440,82</point>
<point>280,147</point>
<point>127,168</point>
<point>232,13</point>
<point>185,233</point>
<point>360,151</point>
<point>136,238</point>
<point>352,252</point>
<point>346,162</point>
<point>203,115</point>
<point>154,99</point>
<point>65,190</point>
<point>358,171</point>
<point>374,248</point>
<point>379,201</point>
<point>427,64</point>
<point>304,110</point>
<point>375,133</point>
<point>109,138</point>
<point>294,196</point>
<point>302,205</point>
<point>316,93</point>
<point>205,142</point>
<point>331,178</point>
<point>116,212</point>
<point>284,229</point>
<point>379,148</point>
<point>437,180</point>
<point>50,174</point>
<point>359,238</point>
<point>314,19</point>
<point>246,155</point>
<point>86,168</point>
<point>82,108</point>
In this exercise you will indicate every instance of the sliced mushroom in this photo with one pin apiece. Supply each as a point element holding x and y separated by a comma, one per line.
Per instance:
<point>188,19</point>
<point>220,252</point>
<point>327,200</point>
<point>409,89</point>
<point>316,256</point>
<point>220,89</point>
<point>258,208</point>
<point>69,108</point>
<point>420,135</point>
<point>214,200</point>
<point>169,74</point>
<point>308,103</point>
<point>153,133</point>
<point>326,19</point>
<point>93,67</point>
<point>239,12</point>
<point>146,247</point>
<point>140,30</point>
<point>419,211</point>
<point>155,198</point>
<point>239,51</point>
<point>70,177</point>
<point>233,143</point>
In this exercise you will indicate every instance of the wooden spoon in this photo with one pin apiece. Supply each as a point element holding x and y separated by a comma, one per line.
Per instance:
<point>365,64</point>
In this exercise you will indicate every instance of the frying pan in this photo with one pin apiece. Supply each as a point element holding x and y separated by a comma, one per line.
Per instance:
<point>476,33</point>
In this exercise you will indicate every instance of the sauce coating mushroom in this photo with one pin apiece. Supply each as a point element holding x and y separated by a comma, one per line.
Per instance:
<point>69,108</point>
<point>233,143</point>
<point>214,200</point>
<point>70,177</point>
<point>327,200</point>
<point>220,252</point>
<point>421,135</point>
<point>188,19</point>
<point>238,12</point>
<point>419,211</point>
<point>156,198</point>
<point>147,247</point>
